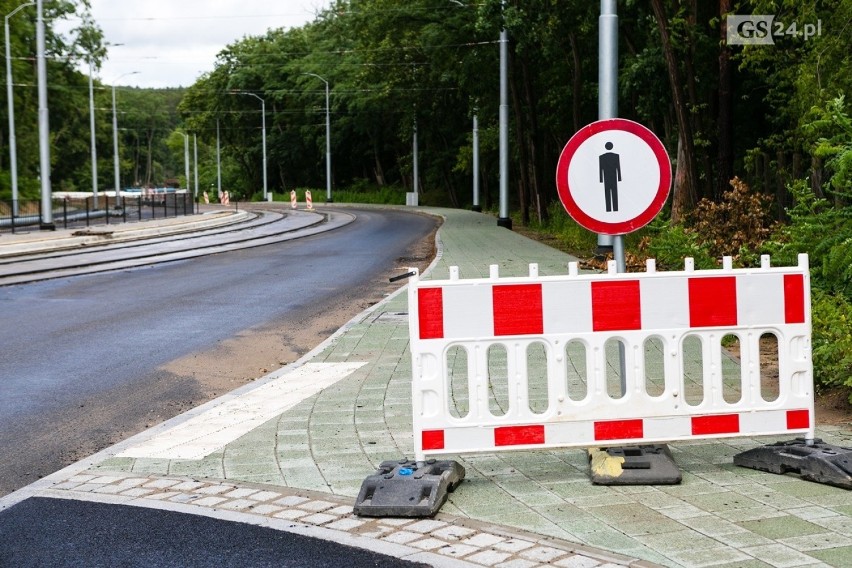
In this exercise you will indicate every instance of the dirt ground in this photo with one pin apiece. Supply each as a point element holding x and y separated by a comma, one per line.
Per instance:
<point>256,352</point>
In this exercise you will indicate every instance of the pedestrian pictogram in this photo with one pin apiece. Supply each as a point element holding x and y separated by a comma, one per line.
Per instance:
<point>613,176</point>
<point>610,174</point>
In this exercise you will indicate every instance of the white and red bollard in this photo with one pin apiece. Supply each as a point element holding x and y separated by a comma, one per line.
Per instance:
<point>309,200</point>
<point>206,199</point>
<point>226,199</point>
<point>293,202</point>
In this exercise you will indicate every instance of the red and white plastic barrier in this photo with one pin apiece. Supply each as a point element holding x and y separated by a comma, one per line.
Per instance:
<point>451,318</point>
<point>309,200</point>
<point>293,203</point>
<point>226,198</point>
<point>206,199</point>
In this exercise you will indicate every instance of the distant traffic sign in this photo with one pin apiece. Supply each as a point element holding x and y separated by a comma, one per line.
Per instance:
<point>613,176</point>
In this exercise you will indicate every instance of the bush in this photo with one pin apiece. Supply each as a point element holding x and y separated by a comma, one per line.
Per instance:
<point>832,341</point>
<point>561,227</point>
<point>825,233</point>
<point>364,192</point>
<point>670,244</point>
<point>738,226</point>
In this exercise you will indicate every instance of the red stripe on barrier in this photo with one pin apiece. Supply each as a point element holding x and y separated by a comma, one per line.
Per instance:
<point>518,435</point>
<point>798,419</point>
<point>713,301</point>
<point>615,306</point>
<point>719,424</point>
<point>432,439</point>
<point>794,298</point>
<point>430,307</point>
<point>518,309</point>
<point>619,429</point>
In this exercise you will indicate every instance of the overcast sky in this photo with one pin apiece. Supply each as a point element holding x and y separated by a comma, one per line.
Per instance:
<point>172,42</point>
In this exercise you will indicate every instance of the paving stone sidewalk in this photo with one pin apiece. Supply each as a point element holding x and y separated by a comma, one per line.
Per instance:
<point>323,447</point>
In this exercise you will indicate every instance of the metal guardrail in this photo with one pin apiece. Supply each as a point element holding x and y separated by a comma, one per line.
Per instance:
<point>78,212</point>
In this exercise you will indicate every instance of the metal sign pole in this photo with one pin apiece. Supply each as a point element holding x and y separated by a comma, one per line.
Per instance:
<point>607,82</point>
<point>608,108</point>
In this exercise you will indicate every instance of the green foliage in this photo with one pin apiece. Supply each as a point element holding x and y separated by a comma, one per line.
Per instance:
<point>362,191</point>
<point>832,340</point>
<point>837,268</point>
<point>669,244</point>
<point>822,231</point>
<point>829,129</point>
<point>383,195</point>
<point>68,94</point>
<point>568,234</point>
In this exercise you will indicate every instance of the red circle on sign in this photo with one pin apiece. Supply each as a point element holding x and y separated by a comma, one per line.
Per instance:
<point>600,225</point>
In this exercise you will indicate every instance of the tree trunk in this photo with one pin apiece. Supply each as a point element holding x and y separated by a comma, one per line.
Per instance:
<point>684,187</point>
<point>137,156</point>
<point>532,137</point>
<point>725,118</point>
<point>678,208</point>
<point>378,170</point>
<point>523,157</point>
<point>780,182</point>
<point>705,185</point>
<point>757,182</point>
<point>577,82</point>
<point>767,173</point>
<point>816,176</point>
<point>149,168</point>
<point>283,182</point>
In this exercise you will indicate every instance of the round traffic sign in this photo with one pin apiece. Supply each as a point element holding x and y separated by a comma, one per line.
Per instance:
<point>613,176</point>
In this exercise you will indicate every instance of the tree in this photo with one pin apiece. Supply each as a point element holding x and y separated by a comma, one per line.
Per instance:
<point>66,92</point>
<point>684,192</point>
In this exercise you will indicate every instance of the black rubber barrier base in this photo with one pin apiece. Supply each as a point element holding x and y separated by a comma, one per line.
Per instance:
<point>634,465</point>
<point>404,489</point>
<point>820,462</point>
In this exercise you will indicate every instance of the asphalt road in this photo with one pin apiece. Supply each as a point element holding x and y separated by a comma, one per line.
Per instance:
<point>40,532</point>
<point>81,359</point>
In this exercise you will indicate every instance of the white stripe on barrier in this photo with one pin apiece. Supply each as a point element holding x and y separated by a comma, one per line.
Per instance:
<point>455,324</point>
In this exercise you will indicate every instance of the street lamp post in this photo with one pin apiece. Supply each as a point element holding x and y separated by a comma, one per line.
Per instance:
<point>263,135</point>
<point>186,158</point>
<point>92,136</point>
<point>13,156</point>
<point>327,141</point>
<point>115,141</point>
<point>503,220</point>
<point>46,223</point>
<point>218,163</point>
<point>195,158</point>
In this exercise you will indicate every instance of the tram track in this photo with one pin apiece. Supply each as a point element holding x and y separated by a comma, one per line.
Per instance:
<point>265,228</point>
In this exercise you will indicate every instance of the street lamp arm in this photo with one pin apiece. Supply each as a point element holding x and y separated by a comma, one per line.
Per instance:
<point>13,156</point>
<point>327,138</point>
<point>21,7</point>
<point>263,125</point>
<point>317,76</point>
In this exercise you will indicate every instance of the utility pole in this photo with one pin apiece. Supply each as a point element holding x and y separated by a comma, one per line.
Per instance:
<point>43,126</point>
<point>504,220</point>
